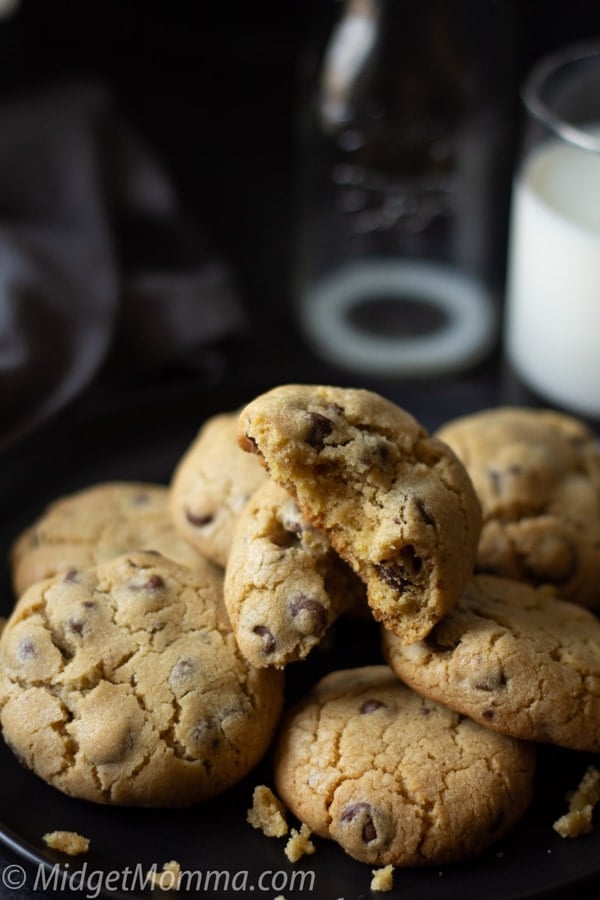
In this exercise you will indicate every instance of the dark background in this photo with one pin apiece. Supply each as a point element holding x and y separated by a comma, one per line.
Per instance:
<point>213,88</point>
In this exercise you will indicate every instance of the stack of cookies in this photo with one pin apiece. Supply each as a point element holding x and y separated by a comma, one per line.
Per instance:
<point>144,662</point>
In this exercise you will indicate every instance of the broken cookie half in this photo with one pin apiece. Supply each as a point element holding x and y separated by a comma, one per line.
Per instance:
<point>395,503</point>
<point>284,583</point>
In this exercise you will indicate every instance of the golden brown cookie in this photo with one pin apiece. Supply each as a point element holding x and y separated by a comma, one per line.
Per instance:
<point>514,658</point>
<point>284,583</point>
<point>94,525</point>
<point>210,486</point>
<point>537,475</point>
<point>396,504</point>
<point>394,778</point>
<point>124,684</point>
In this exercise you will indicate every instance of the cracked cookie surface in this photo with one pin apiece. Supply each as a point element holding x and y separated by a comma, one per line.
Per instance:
<point>395,778</point>
<point>396,504</point>
<point>537,475</point>
<point>94,525</point>
<point>284,583</point>
<point>124,684</point>
<point>514,658</point>
<point>211,485</point>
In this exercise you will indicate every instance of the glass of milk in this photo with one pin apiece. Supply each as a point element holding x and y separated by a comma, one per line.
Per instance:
<point>552,325</point>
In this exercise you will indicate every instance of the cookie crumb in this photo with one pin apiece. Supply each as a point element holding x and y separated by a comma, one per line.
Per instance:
<point>299,844</point>
<point>168,879</point>
<point>68,842</point>
<point>267,812</point>
<point>578,819</point>
<point>383,879</point>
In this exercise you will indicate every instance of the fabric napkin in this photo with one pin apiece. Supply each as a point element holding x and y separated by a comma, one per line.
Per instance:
<point>99,264</point>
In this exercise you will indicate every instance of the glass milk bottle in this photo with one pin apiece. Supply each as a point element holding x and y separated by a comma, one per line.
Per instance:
<point>405,168</point>
<point>552,332</point>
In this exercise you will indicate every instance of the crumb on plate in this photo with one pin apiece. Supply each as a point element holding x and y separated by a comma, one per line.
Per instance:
<point>267,812</point>
<point>383,879</point>
<point>578,819</point>
<point>68,842</point>
<point>299,844</point>
<point>167,879</point>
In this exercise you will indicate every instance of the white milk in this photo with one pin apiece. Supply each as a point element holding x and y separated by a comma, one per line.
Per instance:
<point>553,298</point>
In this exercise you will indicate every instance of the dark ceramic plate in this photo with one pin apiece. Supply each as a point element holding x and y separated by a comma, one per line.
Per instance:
<point>220,854</point>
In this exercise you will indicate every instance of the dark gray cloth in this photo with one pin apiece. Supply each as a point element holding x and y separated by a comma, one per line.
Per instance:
<point>98,261</point>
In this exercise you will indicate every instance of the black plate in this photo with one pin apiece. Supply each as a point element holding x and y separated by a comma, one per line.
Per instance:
<point>220,854</point>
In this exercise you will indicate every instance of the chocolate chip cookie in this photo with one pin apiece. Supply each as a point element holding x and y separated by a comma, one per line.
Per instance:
<point>284,583</point>
<point>537,474</point>
<point>94,525</point>
<point>123,684</point>
<point>514,658</point>
<point>395,778</point>
<point>210,486</point>
<point>396,504</point>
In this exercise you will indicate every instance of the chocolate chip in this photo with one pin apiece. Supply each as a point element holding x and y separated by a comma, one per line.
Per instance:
<point>205,736</point>
<point>238,711</point>
<point>370,706</point>
<point>369,832</point>
<point>291,519</point>
<point>181,673</point>
<point>182,669</point>
<point>198,519</point>
<point>319,429</point>
<point>313,614</point>
<point>424,512</point>
<point>269,642</point>
<point>89,604</point>
<point>76,627</point>
<point>364,810</point>
<point>393,575</point>
<point>26,649</point>
<point>400,572</point>
<point>488,714</point>
<point>377,456</point>
<point>490,681</point>
<point>154,583</point>
<point>71,576</point>
<point>140,499</point>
